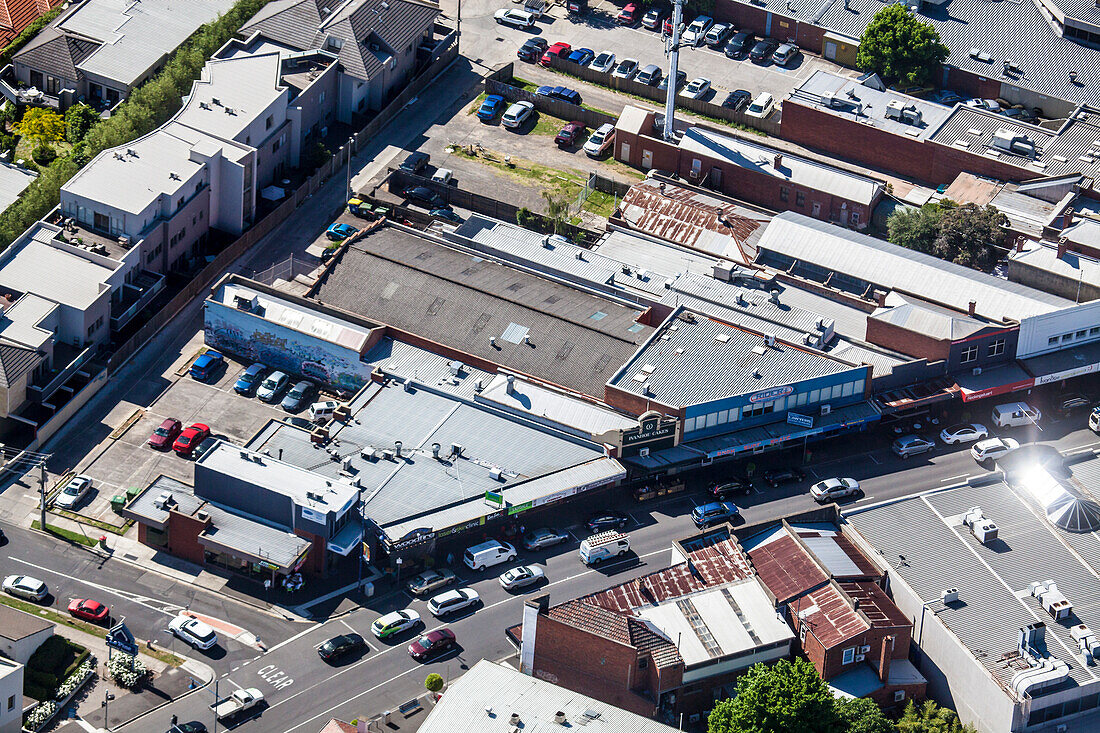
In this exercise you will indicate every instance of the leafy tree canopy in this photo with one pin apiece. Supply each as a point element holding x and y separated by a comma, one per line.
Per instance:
<point>779,698</point>
<point>899,46</point>
<point>965,234</point>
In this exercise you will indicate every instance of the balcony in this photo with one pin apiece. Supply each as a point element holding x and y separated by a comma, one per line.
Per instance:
<point>134,297</point>
<point>73,357</point>
<point>87,238</point>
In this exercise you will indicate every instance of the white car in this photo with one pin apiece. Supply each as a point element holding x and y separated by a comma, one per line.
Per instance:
<point>696,88</point>
<point>443,175</point>
<point>992,449</point>
<point>1094,420</point>
<point>73,493</point>
<point>517,114</point>
<point>453,600</point>
<point>521,577</point>
<point>963,433</point>
<point>515,18</point>
<point>272,387</point>
<point>834,488</point>
<point>193,632</point>
<point>394,623</point>
<point>603,62</point>
<point>24,586</point>
<point>600,141</point>
<point>626,69</point>
<point>693,34</point>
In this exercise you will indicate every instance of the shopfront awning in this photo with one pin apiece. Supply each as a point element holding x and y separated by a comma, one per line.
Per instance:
<point>993,381</point>
<point>347,539</point>
<point>247,539</point>
<point>1064,364</point>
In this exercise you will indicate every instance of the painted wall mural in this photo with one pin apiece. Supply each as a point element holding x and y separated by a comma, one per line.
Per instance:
<point>250,337</point>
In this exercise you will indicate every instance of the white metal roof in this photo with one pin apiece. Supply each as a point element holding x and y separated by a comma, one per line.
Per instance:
<point>544,404</point>
<point>245,86</point>
<point>36,263</point>
<point>13,181</point>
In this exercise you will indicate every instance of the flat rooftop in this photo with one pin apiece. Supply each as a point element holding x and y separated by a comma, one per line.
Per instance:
<point>38,263</point>
<point>993,579</point>
<point>853,100</point>
<point>231,95</point>
<point>693,359</point>
<point>458,300</point>
<point>1071,265</point>
<point>13,181</point>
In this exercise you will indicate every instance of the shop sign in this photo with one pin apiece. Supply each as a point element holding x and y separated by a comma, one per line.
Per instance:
<point>494,499</point>
<point>413,538</point>
<point>551,498</point>
<point>460,527</point>
<point>301,561</point>
<point>520,507</point>
<point>802,421</point>
<point>119,637</point>
<point>314,516</point>
<point>771,394</point>
<point>1067,374</point>
<point>1000,389</point>
<point>649,429</point>
<point>491,517</point>
<point>265,565</point>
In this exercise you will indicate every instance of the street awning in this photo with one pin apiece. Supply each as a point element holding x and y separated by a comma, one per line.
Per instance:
<point>347,539</point>
<point>993,381</point>
<point>1064,364</point>
<point>247,539</point>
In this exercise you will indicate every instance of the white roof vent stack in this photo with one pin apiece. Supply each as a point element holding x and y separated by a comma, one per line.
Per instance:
<point>951,595</point>
<point>1086,642</point>
<point>1052,599</point>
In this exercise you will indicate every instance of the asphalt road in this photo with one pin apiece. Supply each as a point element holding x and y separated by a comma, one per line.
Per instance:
<point>302,692</point>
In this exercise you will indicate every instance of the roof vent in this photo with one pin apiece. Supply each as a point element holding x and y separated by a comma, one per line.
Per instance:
<point>984,530</point>
<point>397,448</point>
<point>174,176</point>
<point>514,719</point>
<point>216,101</point>
<point>951,595</point>
<point>164,500</point>
<point>774,297</point>
<point>559,718</point>
<point>435,451</point>
<point>756,373</point>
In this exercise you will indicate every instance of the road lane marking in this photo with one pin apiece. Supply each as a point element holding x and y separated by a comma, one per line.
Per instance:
<point>350,699</point>
<point>169,609</point>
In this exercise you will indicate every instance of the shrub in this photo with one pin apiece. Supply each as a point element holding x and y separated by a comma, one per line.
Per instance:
<point>41,713</point>
<point>36,691</point>
<point>126,670</point>
<point>44,155</point>
<point>78,120</point>
<point>433,682</point>
<point>73,681</point>
<point>57,656</point>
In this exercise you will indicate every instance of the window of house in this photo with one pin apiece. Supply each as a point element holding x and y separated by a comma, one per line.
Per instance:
<point>855,217</point>
<point>997,347</point>
<point>267,122</point>
<point>321,97</point>
<point>689,424</point>
<point>643,662</point>
<point>802,634</point>
<point>969,354</point>
<point>1094,331</point>
<point>849,655</point>
<point>11,702</point>
<point>899,695</point>
<point>1081,334</point>
<point>817,208</point>
<point>1052,340</point>
<point>800,199</point>
<point>276,145</point>
<point>1067,336</point>
<point>784,193</point>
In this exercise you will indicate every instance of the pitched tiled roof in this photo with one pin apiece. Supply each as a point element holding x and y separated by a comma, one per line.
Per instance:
<point>15,361</point>
<point>338,726</point>
<point>618,627</point>
<point>15,15</point>
<point>56,53</point>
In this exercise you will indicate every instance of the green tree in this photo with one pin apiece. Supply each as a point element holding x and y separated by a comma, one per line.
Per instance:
<point>899,46</point>
<point>779,698</point>
<point>862,715</point>
<point>966,234</point>
<point>42,126</point>
<point>557,208</point>
<point>433,682</point>
<point>931,718</point>
<point>78,120</point>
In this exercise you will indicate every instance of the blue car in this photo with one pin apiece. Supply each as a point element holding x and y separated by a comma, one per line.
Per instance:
<point>582,56</point>
<point>565,94</point>
<point>713,513</point>
<point>489,109</point>
<point>338,232</point>
<point>250,379</point>
<point>206,365</point>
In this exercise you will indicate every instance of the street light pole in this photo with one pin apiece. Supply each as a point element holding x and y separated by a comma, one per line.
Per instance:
<point>107,697</point>
<point>42,490</point>
<point>351,143</point>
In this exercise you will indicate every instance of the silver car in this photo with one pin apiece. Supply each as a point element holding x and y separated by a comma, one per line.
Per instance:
<point>73,493</point>
<point>911,445</point>
<point>24,586</point>
<point>272,387</point>
<point>521,577</point>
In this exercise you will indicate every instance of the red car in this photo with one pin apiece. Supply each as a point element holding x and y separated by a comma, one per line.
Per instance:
<point>190,438</point>
<point>628,15</point>
<point>89,610</point>
<point>432,644</point>
<point>569,134</point>
<point>558,49</point>
<point>666,27</point>
<point>162,437</point>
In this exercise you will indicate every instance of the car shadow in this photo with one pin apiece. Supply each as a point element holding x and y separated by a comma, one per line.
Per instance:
<point>347,659</point>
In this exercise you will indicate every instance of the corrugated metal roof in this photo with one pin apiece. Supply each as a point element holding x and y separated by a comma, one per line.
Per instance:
<point>873,261</point>
<point>251,538</point>
<point>829,616</point>
<point>1070,265</point>
<point>701,360</point>
<point>786,568</point>
<point>928,320</point>
<point>852,100</point>
<point>541,403</point>
<point>426,367</point>
<point>761,159</point>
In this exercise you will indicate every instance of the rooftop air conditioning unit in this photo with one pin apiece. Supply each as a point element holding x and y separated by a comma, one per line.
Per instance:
<point>164,500</point>
<point>983,529</point>
<point>826,409</point>
<point>951,595</point>
<point>643,452</point>
<point>494,473</point>
<point>246,301</point>
<point>1012,142</point>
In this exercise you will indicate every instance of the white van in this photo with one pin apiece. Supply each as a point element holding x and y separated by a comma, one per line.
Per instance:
<point>322,410</point>
<point>1016,415</point>
<point>604,546</point>
<point>488,554</point>
<point>761,106</point>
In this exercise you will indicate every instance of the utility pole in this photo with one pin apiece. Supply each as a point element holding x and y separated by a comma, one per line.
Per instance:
<point>351,143</point>
<point>673,51</point>
<point>42,505</point>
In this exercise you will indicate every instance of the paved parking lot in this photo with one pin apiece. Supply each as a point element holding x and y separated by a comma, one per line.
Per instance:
<point>128,462</point>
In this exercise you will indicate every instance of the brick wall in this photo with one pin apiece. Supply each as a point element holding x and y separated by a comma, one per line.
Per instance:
<point>183,536</point>
<point>636,404</point>
<point>906,341</point>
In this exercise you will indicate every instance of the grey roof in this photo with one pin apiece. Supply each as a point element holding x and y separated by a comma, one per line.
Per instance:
<point>504,690</point>
<point>693,359</point>
<point>1072,265</point>
<point>305,24</point>
<point>852,100</point>
<point>143,507</point>
<point>16,625</point>
<point>761,159</point>
<point>38,263</point>
<point>451,298</point>
<point>866,260</point>
<point>420,486</point>
<point>55,53</point>
<point>927,319</point>
<point>650,253</point>
<point>1010,31</point>
<point>1025,213</point>
<point>992,579</point>
<point>13,181</point>
<point>412,362</point>
<point>15,361</point>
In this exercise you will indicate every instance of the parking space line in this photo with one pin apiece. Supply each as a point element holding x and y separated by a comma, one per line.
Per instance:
<point>348,626</point>
<point>875,460</point>
<point>952,478</point>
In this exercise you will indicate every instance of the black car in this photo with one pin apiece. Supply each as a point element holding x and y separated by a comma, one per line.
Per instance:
<point>425,197</point>
<point>193,727</point>
<point>415,162</point>
<point>3,537</point>
<point>739,44</point>
<point>604,521</point>
<point>1070,403</point>
<point>782,476</point>
<point>338,646</point>
<point>727,489</point>
<point>532,49</point>
<point>762,52</point>
<point>737,99</point>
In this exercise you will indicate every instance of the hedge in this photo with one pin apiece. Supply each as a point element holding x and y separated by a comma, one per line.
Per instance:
<point>38,693</point>
<point>26,35</point>
<point>147,108</point>
<point>57,656</point>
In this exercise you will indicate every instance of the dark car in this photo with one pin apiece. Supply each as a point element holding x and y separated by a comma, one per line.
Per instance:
<point>415,162</point>
<point>582,56</point>
<point>739,44</point>
<point>737,99</point>
<point>532,49</point>
<point>165,434</point>
<point>569,134</point>
<point>681,77</point>
<point>782,476</point>
<point>490,108</point>
<point>762,52</point>
<point>206,365</point>
<point>249,379</point>
<point>723,491</point>
<point>713,513</point>
<point>1070,403</point>
<point>604,521</point>
<point>193,727</point>
<point>338,646</point>
<point>446,215</point>
<point>432,644</point>
<point>425,197</point>
<point>565,94</point>
<point>204,447</point>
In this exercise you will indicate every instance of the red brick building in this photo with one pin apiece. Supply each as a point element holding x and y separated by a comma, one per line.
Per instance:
<point>15,15</point>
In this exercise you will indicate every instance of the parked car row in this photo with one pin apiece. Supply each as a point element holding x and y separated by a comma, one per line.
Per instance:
<point>274,387</point>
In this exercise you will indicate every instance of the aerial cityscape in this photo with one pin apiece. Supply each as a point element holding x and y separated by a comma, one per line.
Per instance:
<point>505,366</point>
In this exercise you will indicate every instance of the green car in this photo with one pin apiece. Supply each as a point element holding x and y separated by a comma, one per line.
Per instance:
<point>394,623</point>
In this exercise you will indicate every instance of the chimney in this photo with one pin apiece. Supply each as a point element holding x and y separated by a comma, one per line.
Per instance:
<point>1061,248</point>
<point>532,609</point>
<point>1067,217</point>
<point>972,307</point>
<point>778,162</point>
<point>884,655</point>
<point>880,298</point>
<point>1020,242</point>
